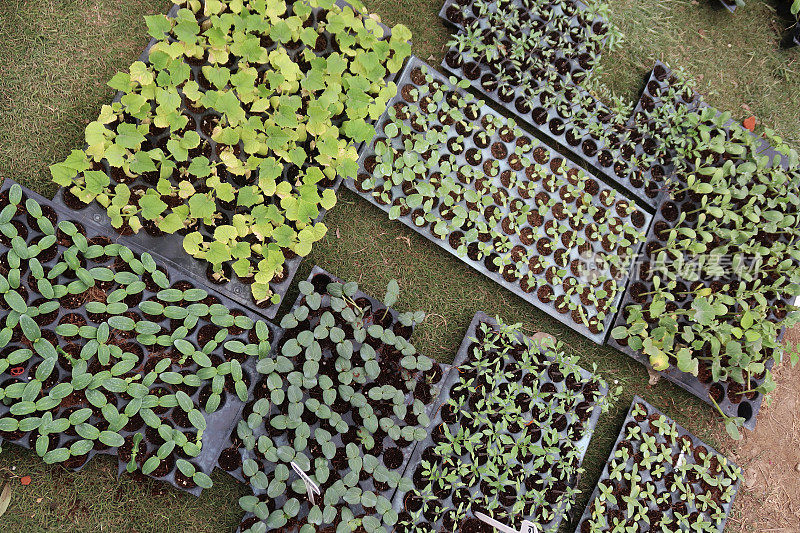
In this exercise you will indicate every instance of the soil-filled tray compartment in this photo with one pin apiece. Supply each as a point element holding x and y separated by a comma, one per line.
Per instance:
<point>182,195</point>
<point>733,398</point>
<point>535,395</point>
<point>107,333</point>
<point>348,406</point>
<point>685,482</point>
<point>479,187</point>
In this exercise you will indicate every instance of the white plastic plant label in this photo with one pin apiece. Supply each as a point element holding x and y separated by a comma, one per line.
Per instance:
<point>311,487</point>
<point>527,525</point>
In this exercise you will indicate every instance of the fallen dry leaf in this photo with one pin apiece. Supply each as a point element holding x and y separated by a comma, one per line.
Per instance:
<point>25,480</point>
<point>654,377</point>
<point>540,336</point>
<point>5,498</point>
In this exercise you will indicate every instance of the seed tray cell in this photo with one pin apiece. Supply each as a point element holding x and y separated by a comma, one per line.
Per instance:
<point>73,310</point>
<point>170,246</point>
<point>526,188</point>
<point>280,437</point>
<point>686,449</point>
<point>424,451</point>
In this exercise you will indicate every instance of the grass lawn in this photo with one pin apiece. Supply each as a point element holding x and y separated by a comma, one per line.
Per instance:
<point>55,57</point>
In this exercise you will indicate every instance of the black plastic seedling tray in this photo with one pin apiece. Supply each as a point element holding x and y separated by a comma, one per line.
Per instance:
<point>530,250</point>
<point>320,278</point>
<point>606,160</point>
<point>218,423</point>
<point>450,380</point>
<point>746,408</point>
<point>682,433</point>
<point>657,84</point>
<point>170,246</point>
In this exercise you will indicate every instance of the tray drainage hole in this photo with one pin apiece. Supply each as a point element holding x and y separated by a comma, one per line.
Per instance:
<point>745,410</point>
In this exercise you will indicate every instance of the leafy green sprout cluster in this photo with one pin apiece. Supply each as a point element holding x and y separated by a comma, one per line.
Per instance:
<point>499,444</point>
<point>742,198</point>
<point>79,349</point>
<point>529,52</point>
<point>513,28</point>
<point>524,37</point>
<point>440,192</point>
<point>276,432</point>
<point>273,110</point>
<point>667,478</point>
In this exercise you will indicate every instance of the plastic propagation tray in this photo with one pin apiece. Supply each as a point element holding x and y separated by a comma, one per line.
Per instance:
<point>575,138</point>
<point>665,217</point>
<point>486,267</point>
<point>170,246</point>
<point>630,421</point>
<point>661,78</point>
<point>320,279</point>
<point>746,408</point>
<point>218,423</point>
<point>463,356</point>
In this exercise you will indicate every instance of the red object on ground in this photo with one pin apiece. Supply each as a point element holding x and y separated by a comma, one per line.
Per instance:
<point>25,480</point>
<point>750,123</point>
<point>17,371</point>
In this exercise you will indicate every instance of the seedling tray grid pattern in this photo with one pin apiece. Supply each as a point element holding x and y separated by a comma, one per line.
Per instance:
<point>530,251</point>
<point>463,356</point>
<point>218,423</point>
<point>646,476</point>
